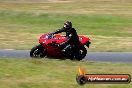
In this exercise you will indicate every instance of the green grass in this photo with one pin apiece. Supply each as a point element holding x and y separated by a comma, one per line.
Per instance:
<point>105,25</point>
<point>31,73</point>
<point>24,29</point>
<point>108,22</point>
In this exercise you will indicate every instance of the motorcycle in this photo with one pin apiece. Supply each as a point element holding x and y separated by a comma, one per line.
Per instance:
<point>47,48</point>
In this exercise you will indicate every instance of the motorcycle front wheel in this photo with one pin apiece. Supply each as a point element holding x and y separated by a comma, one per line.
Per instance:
<point>38,52</point>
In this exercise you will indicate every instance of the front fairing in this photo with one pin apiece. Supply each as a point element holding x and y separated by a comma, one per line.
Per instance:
<point>56,38</point>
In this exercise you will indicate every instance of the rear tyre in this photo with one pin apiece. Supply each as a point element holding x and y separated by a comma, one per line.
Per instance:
<point>38,52</point>
<point>81,54</point>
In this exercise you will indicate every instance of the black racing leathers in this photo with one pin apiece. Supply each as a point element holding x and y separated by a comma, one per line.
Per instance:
<point>71,36</point>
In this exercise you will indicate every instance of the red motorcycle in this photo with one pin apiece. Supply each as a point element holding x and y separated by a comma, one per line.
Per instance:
<point>46,47</point>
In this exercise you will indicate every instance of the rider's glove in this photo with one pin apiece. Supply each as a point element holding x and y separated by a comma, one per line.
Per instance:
<point>52,33</point>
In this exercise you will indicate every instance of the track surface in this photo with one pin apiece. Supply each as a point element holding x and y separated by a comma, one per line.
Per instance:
<point>92,56</point>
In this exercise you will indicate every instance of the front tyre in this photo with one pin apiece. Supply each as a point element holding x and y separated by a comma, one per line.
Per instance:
<point>38,52</point>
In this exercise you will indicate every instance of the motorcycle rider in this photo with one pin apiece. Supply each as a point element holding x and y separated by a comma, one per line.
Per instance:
<point>72,39</point>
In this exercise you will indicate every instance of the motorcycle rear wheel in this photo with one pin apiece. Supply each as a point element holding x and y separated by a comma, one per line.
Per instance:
<point>82,53</point>
<point>38,52</point>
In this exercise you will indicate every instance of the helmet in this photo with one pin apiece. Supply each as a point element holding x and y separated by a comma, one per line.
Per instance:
<point>67,24</point>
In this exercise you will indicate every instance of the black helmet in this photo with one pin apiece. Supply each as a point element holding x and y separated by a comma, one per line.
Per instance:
<point>67,24</point>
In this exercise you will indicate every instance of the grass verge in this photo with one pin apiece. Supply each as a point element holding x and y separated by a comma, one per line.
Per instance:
<point>107,32</point>
<point>107,22</point>
<point>31,73</point>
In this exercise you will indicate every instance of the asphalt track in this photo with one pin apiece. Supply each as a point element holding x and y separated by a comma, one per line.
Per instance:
<point>91,56</point>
